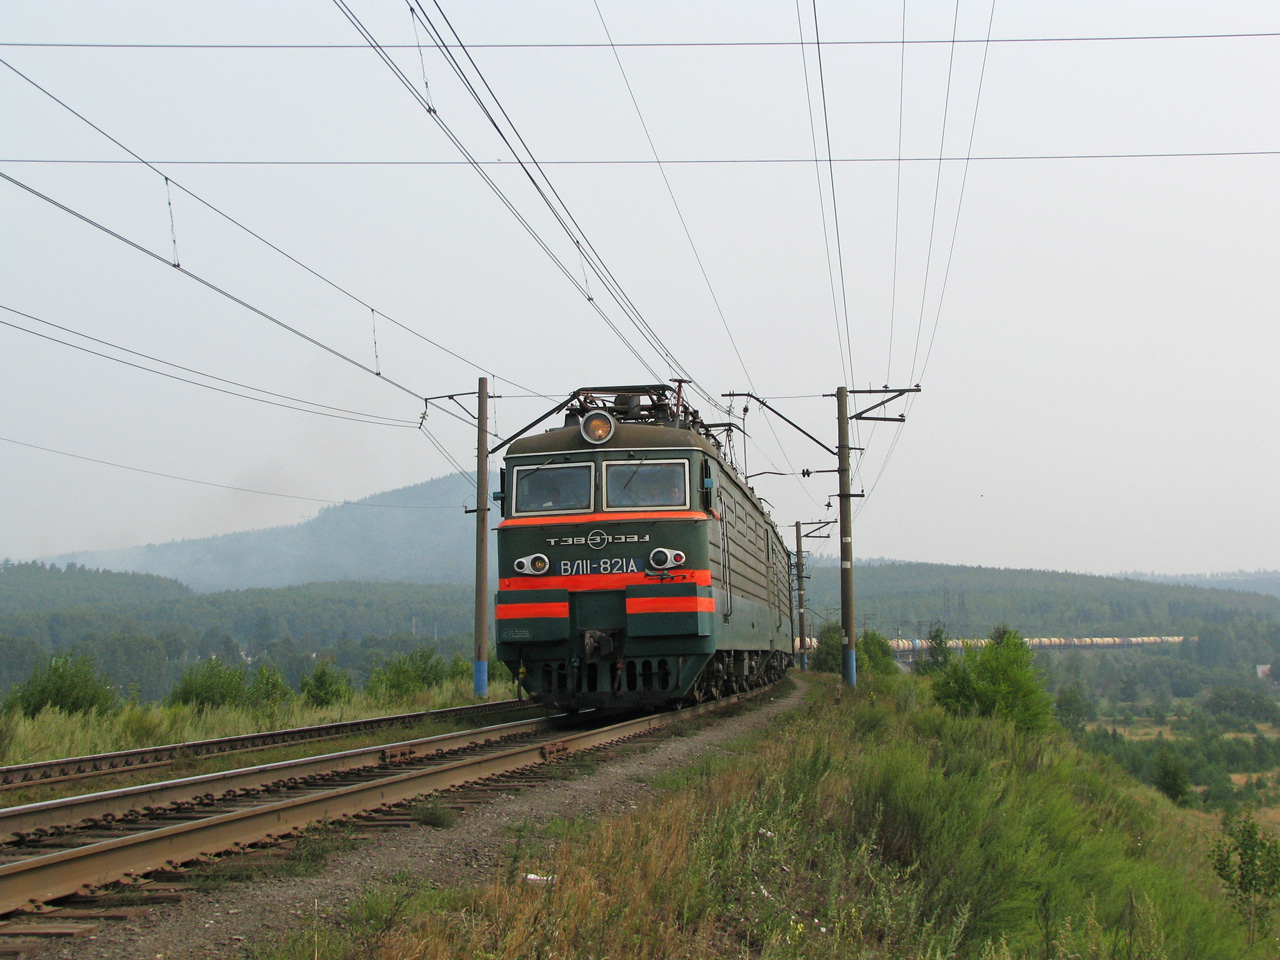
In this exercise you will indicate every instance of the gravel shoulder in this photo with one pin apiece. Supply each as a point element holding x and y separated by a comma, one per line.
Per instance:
<point>224,922</point>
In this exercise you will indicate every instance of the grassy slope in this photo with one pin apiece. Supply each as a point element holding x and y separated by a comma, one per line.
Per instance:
<point>875,827</point>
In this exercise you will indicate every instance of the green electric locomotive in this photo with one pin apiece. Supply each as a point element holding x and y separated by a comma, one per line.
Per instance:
<point>636,567</point>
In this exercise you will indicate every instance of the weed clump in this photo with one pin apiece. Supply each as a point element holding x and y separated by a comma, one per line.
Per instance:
<point>432,813</point>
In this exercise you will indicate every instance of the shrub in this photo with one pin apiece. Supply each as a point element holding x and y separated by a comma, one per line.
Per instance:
<point>70,684</point>
<point>326,685</point>
<point>210,683</point>
<point>875,655</point>
<point>827,655</point>
<point>268,688</point>
<point>997,680</point>
<point>399,679</point>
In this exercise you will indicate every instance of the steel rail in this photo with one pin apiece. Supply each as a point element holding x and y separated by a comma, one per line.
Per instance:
<point>41,772</point>
<point>48,816</point>
<point>44,878</point>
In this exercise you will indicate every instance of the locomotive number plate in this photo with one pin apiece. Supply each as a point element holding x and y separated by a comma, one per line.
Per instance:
<point>571,568</point>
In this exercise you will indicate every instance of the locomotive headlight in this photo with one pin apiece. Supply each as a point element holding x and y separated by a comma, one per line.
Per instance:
<point>664,558</point>
<point>597,427</point>
<point>535,564</point>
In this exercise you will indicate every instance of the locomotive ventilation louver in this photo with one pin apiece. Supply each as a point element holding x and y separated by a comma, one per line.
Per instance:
<point>664,558</point>
<point>597,426</point>
<point>536,564</point>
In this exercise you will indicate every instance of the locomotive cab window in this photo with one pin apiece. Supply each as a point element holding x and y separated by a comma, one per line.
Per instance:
<point>553,489</point>
<point>646,484</point>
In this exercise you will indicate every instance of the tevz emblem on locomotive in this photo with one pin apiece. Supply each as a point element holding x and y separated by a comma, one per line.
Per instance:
<point>598,538</point>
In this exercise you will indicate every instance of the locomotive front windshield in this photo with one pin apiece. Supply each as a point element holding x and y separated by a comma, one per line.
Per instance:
<point>548,488</point>
<point>640,484</point>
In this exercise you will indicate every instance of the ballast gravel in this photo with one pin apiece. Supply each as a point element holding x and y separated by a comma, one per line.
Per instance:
<point>227,922</point>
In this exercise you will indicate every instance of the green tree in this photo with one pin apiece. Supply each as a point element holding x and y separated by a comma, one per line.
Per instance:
<point>67,683</point>
<point>998,679</point>
<point>874,654</point>
<point>1073,708</point>
<point>268,687</point>
<point>1247,861</point>
<point>1170,776</point>
<point>939,653</point>
<point>326,685</point>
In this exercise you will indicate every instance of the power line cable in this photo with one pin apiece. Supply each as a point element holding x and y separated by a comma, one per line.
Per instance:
<point>688,161</point>
<point>224,486</point>
<point>835,202</point>
<point>693,246</point>
<point>230,219</point>
<point>822,201</point>
<point>489,181</point>
<point>210,284</point>
<point>897,196</point>
<point>338,413</point>
<point>544,188</point>
<point>659,44</point>
<point>559,209</point>
<point>671,193</point>
<point>910,400</point>
<point>937,189</point>
<point>955,226</point>
<point>220,291</point>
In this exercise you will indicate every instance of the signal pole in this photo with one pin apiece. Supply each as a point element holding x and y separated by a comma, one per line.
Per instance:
<point>481,663</point>
<point>847,630</point>
<point>804,654</point>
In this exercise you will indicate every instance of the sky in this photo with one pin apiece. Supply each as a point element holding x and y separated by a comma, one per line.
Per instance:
<point>1084,286</point>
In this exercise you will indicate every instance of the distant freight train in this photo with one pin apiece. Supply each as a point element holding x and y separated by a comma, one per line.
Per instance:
<point>635,565</point>
<point>909,649</point>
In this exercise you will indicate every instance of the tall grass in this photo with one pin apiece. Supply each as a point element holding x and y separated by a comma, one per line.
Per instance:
<point>54,733</point>
<point>877,827</point>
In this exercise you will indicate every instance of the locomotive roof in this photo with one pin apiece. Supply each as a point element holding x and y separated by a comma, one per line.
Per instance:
<point>626,436</point>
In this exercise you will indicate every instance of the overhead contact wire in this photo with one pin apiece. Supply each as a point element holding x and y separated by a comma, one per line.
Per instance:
<point>222,486</point>
<point>910,401</point>
<point>822,200</point>
<point>216,289</point>
<point>937,189</point>
<point>835,203</point>
<point>493,186</point>
<point>562,214</point>
<point>338,413</point>
<point>237,223</point>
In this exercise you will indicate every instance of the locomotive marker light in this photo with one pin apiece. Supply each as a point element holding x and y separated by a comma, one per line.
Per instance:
<point>536,564</point>
<point>662,558</point>
<point>597,426</point>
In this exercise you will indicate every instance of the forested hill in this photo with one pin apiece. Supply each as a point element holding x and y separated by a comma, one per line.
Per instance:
<point>907,598</point>
<point>31,587</point>
<point>416,534</point>
<point>1254,581</point>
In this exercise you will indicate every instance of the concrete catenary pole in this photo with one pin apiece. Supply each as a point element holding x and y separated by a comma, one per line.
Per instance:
<point>804,636</point>
<point>849,635</point>
<point>481,662</point>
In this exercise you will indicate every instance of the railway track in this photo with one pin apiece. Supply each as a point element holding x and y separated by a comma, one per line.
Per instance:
<point>42,772</point>
<point>65,847</point>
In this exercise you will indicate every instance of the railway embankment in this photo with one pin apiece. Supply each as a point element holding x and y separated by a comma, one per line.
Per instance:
<point>869,825</point>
